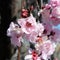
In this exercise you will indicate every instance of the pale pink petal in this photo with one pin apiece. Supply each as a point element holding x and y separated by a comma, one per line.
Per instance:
<point>28,25</point>
<point>55,16</point>
<point>55,3</point>
<point>15,33</point>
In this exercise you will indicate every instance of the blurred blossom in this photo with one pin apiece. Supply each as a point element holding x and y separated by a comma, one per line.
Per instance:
<point>15,33</point>
<point>56,36</point>
<point>55,16</point>
<point>55,3</point>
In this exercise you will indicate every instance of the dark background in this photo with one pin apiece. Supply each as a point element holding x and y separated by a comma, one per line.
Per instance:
<point>5,13</point>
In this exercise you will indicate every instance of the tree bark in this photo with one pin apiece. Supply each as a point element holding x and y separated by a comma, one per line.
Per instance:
<point>5,12</point>
<point>18,56</point>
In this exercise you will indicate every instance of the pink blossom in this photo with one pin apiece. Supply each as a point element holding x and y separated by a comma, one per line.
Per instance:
<point>16,41</point>
<point>55,16</point>
<point>28,25</point>
<point>48,6</point>
<point>47,48</point>
<point>45,13</point>
<point>30,57</point>
<point>46,21</point>
<point>15,34</point>
<point>38,32</point>
<point>31,28</point>
<point>30,37</point>
<point>38,45</point>
<point>34,55</point>
<point>48,28</point>
<point>56,36</point>
<point>55,3</point>
<point>40,29</point>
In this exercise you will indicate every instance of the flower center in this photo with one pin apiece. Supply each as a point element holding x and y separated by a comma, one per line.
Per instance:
<point>28,24</point>
<point>39,39</point>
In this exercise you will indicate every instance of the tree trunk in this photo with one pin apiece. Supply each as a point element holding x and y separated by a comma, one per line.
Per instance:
<point>5,12</point>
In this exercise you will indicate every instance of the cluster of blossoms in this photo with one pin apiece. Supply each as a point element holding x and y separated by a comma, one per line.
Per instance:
<point>32,31</point>
<point>51,19</point>
<point>27,28</point>
<point>43,50</point>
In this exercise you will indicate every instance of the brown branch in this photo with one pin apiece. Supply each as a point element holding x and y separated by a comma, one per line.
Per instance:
<point>18,57</point>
